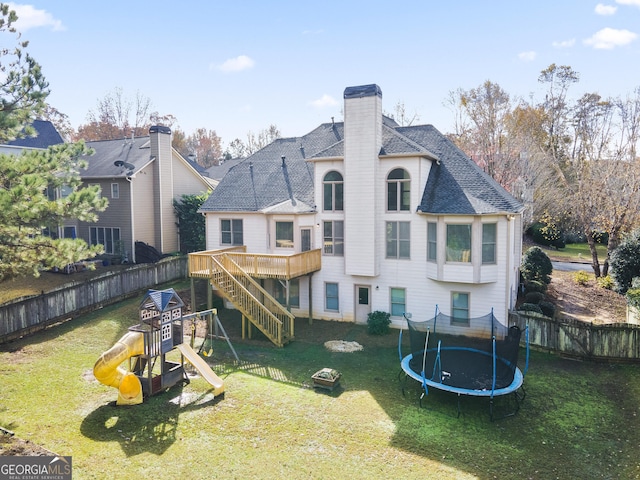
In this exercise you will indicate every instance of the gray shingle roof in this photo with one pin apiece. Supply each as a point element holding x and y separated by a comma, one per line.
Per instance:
<point>135,152</point>
<point>47,135</point>
<point>456,185</point>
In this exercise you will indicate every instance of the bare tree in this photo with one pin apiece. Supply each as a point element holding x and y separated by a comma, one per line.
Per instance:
<point>262,139</point>
<point>117,116</point>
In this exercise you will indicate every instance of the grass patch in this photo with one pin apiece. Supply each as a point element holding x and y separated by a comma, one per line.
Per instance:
<point>575,252</point>
<point>579,420</point>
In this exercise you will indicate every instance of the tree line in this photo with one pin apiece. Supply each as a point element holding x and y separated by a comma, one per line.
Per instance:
<point>573,163</point>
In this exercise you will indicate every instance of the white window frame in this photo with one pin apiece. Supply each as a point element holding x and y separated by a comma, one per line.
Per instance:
<point>394,301</point>
<point>115,190</point>
<point>455,309</point>
<point>327,297</point>
<point>282,242</point>
<point>233,232</point>
<point>402,194</point>
<point>432,243</point>
<point>333,244</point>
<point>455,253</point>
<point>335,193</point>
<point>489,245</point>
<point>398,240</point>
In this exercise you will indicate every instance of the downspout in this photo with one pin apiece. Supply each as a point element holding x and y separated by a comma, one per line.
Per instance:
<point>133,233</point>
<point>509,274</point>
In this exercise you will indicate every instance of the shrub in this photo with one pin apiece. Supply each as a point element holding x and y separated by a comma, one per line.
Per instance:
<point>548,309</point>
<point>534,297</point>
<point>581,278</point>
<point>536,266</point>
<point>605,282</point>
<point>530,307</point>
<point>378,322</point>
<point>535,286</point>
<point>625,262</point>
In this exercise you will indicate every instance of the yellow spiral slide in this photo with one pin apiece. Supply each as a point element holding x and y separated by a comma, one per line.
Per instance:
<point>108,371</point>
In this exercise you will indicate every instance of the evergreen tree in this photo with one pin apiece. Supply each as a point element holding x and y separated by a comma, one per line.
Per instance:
<point>31,183</point>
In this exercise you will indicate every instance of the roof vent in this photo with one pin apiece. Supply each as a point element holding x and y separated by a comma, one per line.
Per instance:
<point>283,158</point>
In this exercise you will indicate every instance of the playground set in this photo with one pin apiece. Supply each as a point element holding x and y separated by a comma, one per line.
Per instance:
<point>146,346</point>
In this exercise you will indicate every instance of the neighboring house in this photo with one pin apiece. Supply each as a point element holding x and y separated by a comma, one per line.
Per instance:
<point>402,220</point>
<point>218,171</point>
<point>141,177</point>
<point>46,136</point>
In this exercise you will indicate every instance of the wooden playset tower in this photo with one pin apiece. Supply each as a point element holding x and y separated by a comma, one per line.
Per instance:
<point>162,328</point>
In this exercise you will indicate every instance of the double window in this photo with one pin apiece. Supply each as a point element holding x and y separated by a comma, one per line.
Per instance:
<point>294,292</point>
<point>231,232</point>
<point>333,237</point>
<point>398,190</point>
<point>398,239</point>
<point>332,192</point>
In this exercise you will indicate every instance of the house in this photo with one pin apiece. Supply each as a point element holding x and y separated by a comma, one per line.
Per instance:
<point>368,215</point>
<point>141,177</point>
<point>46,136</point>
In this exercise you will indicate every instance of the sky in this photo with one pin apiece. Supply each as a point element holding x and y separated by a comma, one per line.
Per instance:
<point>239,66</point>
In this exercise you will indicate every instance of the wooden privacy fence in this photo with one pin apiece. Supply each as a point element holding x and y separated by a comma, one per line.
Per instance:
<point>26,315</point>
<point>615,342</point>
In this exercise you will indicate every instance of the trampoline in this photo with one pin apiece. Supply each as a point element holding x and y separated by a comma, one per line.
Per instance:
<point>476,357</point>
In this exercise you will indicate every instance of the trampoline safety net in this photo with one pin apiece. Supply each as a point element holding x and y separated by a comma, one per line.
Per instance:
<point>461,353</point>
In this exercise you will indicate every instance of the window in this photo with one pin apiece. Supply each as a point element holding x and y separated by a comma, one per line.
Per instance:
<point>488,243</point>
<point>331,298</point>
<point>432,242</point>
<point>398,302</point>
<point>332,192</point>
<point>231,232</point>
<point>294,292</point>
<point>284,234</point>
<point>398,190</point>
<point>115,190</point>
<point>398,239</point>
<point>305,239</point>
<point>334,238</point>
<point>460,307</point>
<point>69,232</point>
<point>459,243</point>
<point>108,237</point>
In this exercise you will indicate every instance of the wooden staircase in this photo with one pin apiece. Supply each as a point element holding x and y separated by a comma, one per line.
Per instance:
<point>254,302</point>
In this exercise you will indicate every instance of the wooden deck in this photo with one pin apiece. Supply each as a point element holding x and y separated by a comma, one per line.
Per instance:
<point>257,265</point>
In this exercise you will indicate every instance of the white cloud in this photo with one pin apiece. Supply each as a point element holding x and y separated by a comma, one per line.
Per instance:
<point>602,9</point>
<point>609,38</point>
<point>564,43</point>
<point>237,64</point>
<point>629,2</point>
<point>527,56</point>
<point>324,101</point>
<point>30,17</point>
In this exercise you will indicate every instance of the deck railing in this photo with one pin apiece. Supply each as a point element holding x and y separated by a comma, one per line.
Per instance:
<point>257,265</point>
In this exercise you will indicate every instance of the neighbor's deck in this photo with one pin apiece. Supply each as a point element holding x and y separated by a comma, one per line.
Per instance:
<point>258,265</point>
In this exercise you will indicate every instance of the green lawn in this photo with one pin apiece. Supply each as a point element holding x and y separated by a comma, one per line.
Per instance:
<point>579,420</point>
<point>575,252</point>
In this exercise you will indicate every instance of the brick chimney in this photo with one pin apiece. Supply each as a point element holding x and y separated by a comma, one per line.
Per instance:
<point>362,143</point>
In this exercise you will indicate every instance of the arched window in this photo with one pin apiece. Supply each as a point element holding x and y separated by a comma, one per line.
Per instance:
<point>398,190</point>
<point>333,192</point>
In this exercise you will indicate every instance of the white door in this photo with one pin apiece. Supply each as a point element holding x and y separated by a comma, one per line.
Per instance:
<point>363,302</point>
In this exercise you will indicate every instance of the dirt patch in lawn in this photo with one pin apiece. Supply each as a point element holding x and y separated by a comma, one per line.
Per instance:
<point>588,303</point>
